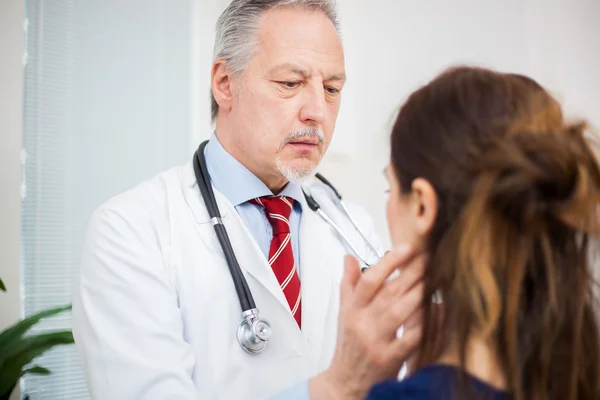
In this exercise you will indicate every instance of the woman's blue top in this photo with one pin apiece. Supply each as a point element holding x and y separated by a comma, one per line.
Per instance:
<point>439,382</point>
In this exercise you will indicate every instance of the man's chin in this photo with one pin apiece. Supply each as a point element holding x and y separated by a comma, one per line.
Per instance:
<point>304,163</point>
<point>297,171</point>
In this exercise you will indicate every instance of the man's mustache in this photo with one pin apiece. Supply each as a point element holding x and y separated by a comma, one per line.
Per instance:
<point>305,132</point>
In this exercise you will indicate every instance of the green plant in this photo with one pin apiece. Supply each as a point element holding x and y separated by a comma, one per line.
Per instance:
<point>18,350</point>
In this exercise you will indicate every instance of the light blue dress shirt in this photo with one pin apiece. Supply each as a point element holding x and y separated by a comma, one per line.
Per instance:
<point>239,185</point>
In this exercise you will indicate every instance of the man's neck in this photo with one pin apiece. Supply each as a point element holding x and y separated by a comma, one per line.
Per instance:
<point>273,180</point>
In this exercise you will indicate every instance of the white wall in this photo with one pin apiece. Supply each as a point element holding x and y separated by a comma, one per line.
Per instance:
<point>11,98</point>
<point>203,20</point>
<point>563,48</point>
<point>393,46</point>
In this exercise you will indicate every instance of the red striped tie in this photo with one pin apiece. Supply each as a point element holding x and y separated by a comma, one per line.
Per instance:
<point>281,255</point>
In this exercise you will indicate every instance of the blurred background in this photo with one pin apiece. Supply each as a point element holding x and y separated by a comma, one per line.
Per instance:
<point>98,95</point>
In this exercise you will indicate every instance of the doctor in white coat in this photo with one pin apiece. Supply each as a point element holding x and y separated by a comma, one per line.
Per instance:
<point>155,312</point>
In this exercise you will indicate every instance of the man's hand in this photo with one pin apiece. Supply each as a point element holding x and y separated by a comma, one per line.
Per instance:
<point>372,308</point>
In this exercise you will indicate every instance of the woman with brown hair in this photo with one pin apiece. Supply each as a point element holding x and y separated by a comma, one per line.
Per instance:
<point>502,194</point>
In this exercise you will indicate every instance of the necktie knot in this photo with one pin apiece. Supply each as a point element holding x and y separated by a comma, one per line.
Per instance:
<point>278,210</point>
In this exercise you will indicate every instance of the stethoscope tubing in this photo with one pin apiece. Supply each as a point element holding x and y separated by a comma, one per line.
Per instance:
<point>241,285</point>
<point>347,212</point>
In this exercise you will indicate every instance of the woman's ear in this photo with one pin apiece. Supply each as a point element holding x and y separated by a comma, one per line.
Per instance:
<point>221,85</point>
<point>425,201</point>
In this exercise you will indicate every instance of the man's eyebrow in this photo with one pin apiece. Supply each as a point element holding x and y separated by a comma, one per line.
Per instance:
<point>289,67</point>
<point>305,73</point>
<point>336,77</point>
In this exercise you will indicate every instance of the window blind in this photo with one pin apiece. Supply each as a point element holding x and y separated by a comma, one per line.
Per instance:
<point>106,105</point>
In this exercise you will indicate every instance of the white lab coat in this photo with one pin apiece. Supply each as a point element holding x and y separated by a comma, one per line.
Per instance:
<point>155,311</point>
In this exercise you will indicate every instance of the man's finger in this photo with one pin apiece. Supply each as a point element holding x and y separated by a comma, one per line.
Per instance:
<point>412,272</point>
<point>403,348</point>
<point>392,288</point>
<point>400,309</point>
<point>371,281</point>
<point>414,320</point>
<point>351,276</point>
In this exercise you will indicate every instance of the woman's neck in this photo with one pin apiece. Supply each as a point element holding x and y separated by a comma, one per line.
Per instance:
<point>482,361</point>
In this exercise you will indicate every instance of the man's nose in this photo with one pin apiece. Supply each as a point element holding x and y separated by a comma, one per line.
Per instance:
<point>313,109</point>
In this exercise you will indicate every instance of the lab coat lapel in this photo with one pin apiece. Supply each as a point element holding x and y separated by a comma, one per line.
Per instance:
<point>316,276</point>
<point>247,252</point>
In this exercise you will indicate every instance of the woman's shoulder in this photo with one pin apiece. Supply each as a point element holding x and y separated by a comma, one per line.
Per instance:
<point>439,382</point>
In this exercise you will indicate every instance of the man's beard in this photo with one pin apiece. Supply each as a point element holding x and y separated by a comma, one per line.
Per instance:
<point>299,174</point>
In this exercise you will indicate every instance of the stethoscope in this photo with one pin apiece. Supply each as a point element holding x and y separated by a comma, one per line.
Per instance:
<point>254,332</point>
<point>313,205</point>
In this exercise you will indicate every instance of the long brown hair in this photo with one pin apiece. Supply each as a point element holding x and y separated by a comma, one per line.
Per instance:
<point>518,192</point>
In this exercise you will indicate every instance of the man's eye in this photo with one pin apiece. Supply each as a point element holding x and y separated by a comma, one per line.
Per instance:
<point>332,90</point>
<point>290,85</point>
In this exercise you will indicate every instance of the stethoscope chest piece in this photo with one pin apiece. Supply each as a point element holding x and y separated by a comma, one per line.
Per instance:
<point>254,333</point>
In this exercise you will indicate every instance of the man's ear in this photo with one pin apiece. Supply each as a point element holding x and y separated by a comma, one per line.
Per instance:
<point>221,85</point>
<point>425,203</point>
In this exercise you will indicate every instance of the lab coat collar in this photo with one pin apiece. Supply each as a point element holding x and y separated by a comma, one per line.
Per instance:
<point>193,196</point>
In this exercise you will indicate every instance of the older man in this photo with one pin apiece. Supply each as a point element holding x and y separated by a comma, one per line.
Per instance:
<point>156,313</point>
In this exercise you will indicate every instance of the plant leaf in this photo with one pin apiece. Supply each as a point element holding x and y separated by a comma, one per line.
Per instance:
<point>17,330</point>
<point>34,342</point>
<point>36,370</point>
<point>27,349</point>
<point>2,287</point>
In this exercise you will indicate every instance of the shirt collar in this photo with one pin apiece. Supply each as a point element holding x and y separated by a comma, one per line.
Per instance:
<point>235,181</point>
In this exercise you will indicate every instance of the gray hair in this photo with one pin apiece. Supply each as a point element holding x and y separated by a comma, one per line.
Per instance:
<point>237,28</point>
